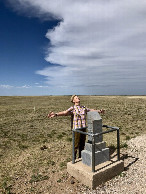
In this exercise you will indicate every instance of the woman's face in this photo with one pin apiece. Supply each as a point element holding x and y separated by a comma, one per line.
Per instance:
<point>76,99</point>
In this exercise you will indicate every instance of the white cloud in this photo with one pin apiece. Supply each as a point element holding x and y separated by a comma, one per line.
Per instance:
<point>98,43</point>
<point>42,86</point>
<point>6,86</point>
<point>10,86</point>
<point>25,86</point>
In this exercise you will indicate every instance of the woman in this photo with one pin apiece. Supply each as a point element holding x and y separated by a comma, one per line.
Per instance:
<point>78,115</point>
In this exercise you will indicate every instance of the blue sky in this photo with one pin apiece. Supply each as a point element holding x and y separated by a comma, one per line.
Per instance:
<point>22,49</point>
<point>52,47</point>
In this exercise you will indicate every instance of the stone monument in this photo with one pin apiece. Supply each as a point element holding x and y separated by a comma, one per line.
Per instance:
<point>94,122</point>
<point>105,168</point>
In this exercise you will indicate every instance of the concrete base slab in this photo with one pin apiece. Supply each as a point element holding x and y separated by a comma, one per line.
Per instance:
<point>103,172</point>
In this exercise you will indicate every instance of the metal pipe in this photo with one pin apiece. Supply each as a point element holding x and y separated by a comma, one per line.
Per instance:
<point>111,130</point>
<point>93,154</point>
<point>73,147</point>
<point>110,127</point>
<point>78,130</point>
<point>96,134</point>
<point>118,144</point>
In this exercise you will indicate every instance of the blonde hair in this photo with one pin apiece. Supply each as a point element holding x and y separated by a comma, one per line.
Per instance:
<point>72,98</point>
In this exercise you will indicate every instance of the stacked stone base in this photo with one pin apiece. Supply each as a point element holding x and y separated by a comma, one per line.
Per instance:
<point>101,153</point>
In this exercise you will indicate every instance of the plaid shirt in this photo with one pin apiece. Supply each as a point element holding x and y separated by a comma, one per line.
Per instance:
<point>79,116</point>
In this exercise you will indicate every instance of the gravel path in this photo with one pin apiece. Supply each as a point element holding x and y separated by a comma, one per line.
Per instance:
<point>133,179</point>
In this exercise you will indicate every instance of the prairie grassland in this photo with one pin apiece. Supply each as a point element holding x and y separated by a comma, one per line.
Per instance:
<point>34,150</point>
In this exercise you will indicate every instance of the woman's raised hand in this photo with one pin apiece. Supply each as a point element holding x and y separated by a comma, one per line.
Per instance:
<point>102,111</point>
<point>51,115</point>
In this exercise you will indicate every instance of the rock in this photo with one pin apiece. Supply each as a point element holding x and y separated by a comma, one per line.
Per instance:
<point>72,181</point>
<point>44,147</point>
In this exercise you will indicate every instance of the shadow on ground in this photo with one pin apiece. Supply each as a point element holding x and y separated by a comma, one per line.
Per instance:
<point>125,157</point>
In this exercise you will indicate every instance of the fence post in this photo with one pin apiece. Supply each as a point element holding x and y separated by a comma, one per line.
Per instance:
<point>118,144</point>
<point>73,147</point>
<point>93,153</point>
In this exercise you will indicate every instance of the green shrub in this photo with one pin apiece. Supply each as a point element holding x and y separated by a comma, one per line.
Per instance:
<point>37,178</point>
<point>51,162</point>
<point>69,139</point>
<point>127,137</point>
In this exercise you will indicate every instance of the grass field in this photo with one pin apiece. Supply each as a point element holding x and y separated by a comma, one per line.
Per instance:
<point>34,150</point>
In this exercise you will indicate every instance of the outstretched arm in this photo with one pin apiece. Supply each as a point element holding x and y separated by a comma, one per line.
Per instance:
<point>52,114</point>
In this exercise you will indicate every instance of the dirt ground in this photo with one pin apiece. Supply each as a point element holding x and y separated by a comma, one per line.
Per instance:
<point>34,150</point>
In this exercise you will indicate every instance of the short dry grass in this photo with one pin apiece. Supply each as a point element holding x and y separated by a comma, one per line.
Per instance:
<point>34,150</point>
